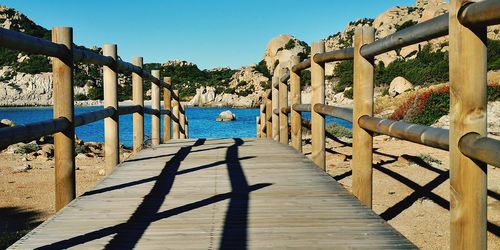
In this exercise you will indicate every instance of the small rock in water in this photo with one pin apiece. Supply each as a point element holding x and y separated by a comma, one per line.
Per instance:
<point>226,116</point>
<point>7,123</point>
<point>23,168</point>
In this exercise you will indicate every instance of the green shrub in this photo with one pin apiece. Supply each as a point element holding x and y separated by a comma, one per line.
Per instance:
<point>493,93</point>
<point>305,78</point>
<point>493,57</point>
<point>405,25</point>
<point>437,105</point>
<point>262,68</point>
<point>95,93</point>
<point>34,65</point>
<point>27,148</point>
<point>338,131</point>
<point>348,92</point>
<point>344,72</point>
<point>290,44</point>
<point>80,97</point>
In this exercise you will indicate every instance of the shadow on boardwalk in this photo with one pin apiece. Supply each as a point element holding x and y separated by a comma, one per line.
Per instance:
<point>128,234</point>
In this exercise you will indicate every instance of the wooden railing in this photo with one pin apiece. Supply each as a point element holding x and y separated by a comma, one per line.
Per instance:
<point>470,149</point>
<point>64,56</point>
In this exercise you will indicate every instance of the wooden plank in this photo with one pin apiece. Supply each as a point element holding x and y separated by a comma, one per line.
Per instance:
<point>216,193</point>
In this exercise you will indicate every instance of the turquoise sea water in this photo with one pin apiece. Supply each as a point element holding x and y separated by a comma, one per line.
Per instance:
<point>202,122</point>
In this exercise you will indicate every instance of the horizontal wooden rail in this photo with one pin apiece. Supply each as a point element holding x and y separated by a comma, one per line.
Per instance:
<point>19,41</point>
<point>93,116</point>
<point>31,131</point>
<point>429,136</point>
<point>302,65</point>
<point>156,112</point>
<point>486,12</point>
<point>286,109</point>
<point>126,110</point>
<point>333,56</point>
<point>286,76</point>
<point>335,111</point>
<point>90,57</point>
<point>430,29</point>
<point>302,107</point>
<point>480,148</point>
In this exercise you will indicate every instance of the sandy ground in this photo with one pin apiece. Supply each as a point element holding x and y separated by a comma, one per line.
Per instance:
<point>27,197</point>
<point>410,193</point>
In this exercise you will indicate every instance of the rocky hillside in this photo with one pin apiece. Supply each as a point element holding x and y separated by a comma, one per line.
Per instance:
<point>25,79</point>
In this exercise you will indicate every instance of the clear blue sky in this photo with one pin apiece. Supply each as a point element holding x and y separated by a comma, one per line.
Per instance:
<point>213,33</point>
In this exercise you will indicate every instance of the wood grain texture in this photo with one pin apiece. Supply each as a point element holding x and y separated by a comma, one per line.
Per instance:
<point>283,116</point>
<point>110,82</point>
<point>167,105</point>
<point>175,114</point>
<point>295,117</point>
<point>64,142</point>
<point>138,98</point>
<point>216,194</point>
<point>276,106</point>
<point>468,182</point>
<point>318,96</point>
<point>362,140</point>
<point>155,105</point>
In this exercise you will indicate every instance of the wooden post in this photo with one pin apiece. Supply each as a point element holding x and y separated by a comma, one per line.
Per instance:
<point>362,142</point>
<point>64,142</point>
<point>283,102</point>
<point>182,121</point>
<point>318,96</point>
<point>187,128</point>
<point>276,106</point>
<point>138,98</point>
<point>167,105</point>
<point>111,141</point>
<point>468,182</point>
<point>296,117</point>
<point>269,124</point>
<point>155,105</point>
<point>175,113</point>
<point>263,118</point>
<point>257,126</point>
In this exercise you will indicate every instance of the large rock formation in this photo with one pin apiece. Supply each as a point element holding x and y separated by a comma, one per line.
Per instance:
<point>280,49</point>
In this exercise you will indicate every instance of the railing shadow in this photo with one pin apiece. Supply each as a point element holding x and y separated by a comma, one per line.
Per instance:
<point>128,234</point>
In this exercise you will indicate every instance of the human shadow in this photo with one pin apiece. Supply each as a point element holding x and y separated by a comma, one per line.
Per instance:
<point>128,234</point>
<point>235,228</point>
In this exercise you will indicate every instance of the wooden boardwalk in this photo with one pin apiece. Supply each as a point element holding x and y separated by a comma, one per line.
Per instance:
<point>216,194</point>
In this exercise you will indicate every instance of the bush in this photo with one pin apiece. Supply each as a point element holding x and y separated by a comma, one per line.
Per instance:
<point>80,97</point>
<point>405,25</point>
<point>338,131</point>
<point>96,93</point>
<point>34,65</point>
<point>262,68</point>
<point>348,92</point>
<point>425,108</point>
<point>27,148</point>
<point>493,93</point>
<point>343,71</point>
<point>305,78</point>
<point>493,54</point>
<point>290,44</point>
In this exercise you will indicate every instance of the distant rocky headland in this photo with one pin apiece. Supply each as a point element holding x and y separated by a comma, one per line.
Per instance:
<point>26,80</point>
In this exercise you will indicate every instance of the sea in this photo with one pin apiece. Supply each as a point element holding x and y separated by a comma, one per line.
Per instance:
<point>202,122</point>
